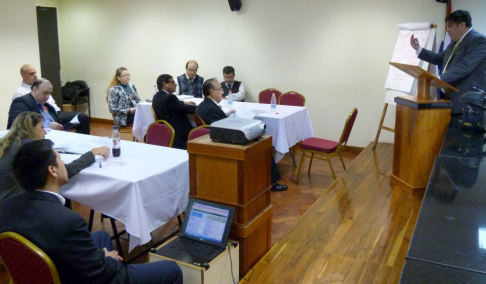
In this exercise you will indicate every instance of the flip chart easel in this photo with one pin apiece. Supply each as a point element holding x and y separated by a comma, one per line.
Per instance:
<point>398,83</point>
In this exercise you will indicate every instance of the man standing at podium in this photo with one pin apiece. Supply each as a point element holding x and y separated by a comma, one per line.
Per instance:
<point>463,61</point>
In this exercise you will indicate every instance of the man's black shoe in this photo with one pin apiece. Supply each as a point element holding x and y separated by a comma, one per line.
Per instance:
<point>279,187</point>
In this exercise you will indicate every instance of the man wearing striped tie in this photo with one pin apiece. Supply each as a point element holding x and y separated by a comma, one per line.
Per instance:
<point>464,60</point>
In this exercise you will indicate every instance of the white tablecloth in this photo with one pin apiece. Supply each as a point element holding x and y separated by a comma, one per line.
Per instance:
<point>288,125</point>
<point>144,188</point>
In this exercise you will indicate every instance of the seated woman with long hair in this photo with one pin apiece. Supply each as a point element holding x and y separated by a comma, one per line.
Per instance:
<point>122,98</point>
<point>26,127</point>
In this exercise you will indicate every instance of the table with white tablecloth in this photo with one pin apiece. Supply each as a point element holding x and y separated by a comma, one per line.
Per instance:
<point>144,188</point>
<point>288,124</point>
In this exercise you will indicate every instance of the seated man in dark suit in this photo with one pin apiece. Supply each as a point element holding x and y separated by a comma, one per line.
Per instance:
<point>29,75</point>
<point>210,111</point>
<point>36,101</point>
<point>190,83</point>
<point>39,215</point>
<point>168,107</point>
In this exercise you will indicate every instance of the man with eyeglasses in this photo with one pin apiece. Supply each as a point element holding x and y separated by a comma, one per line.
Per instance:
<point>168,107</point>
<point>190,83</point>
<point>29,75</point>
<point>210,111</point>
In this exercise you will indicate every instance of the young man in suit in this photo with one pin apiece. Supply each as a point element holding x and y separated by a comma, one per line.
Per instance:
<point>168,107</point>
<point>210,111</point>
<point>463,61</point>
<point>39,216</point>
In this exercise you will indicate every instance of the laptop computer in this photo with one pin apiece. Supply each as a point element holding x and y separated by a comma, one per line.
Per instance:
<point>203,235</point>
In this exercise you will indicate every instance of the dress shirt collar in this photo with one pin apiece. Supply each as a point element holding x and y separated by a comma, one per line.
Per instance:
<point>216,103</point>
<point>189,79</point>
<point>27,86</point>
<point>62,199</point>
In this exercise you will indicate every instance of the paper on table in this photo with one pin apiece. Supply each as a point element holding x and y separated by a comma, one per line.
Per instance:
<point>244,112</point>
<point>78,148</point>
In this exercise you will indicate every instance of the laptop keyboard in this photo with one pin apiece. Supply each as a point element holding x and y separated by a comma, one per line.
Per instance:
<point>195,248</point>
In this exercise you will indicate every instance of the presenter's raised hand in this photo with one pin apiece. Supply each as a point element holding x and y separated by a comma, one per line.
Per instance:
<point>56,126</point>
<point>414,42</point>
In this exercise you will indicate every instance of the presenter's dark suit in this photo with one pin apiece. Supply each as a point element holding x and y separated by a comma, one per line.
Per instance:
<point>169,108</point>
<point>209,111</point>
<point>466,68</point>
<point>28,103</point>
<point>63,235</point>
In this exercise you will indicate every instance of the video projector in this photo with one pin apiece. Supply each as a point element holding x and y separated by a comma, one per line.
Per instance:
<point>237,130</point>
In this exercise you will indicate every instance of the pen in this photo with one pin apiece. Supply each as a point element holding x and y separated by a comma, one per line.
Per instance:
<point>100,165</point>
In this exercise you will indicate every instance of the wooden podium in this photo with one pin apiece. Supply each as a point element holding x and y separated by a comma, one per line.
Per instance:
<point>420,126</point>
<point>239,176</point>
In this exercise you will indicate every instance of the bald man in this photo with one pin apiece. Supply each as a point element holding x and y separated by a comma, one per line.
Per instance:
<point>29,75</point>
<point>190,83</point>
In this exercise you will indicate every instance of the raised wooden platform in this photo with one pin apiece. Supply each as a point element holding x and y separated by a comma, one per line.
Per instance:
<point>358,231</point>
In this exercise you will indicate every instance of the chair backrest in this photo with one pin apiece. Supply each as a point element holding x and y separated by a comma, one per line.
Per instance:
<point>198,132</point>
<point>153,113</point>
<point>292,99</point>
<point>348,127</point>
<point>160,133</point>
<point>265,96</point>
<point>198,120</point>
<point>25,262</point>
<point>83,88</point>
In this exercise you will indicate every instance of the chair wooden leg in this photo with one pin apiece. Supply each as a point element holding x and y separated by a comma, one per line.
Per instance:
<point>293,158</point>
<point>300,165</point>
<point>90,223</point>
<point>116,236</point>
<point>342,161</point>
<point>330,166</point>
<point>310,163</point>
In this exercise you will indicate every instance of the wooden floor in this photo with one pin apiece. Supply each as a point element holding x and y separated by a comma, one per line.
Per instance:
<point>358,231</point>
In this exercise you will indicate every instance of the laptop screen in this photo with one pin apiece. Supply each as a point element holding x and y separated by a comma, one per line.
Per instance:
<point>208,222</point>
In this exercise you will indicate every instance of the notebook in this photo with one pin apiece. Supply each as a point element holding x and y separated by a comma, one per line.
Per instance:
<point>203,235</point>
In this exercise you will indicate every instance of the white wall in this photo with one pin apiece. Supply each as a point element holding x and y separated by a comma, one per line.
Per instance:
<point>336,53</point>
<point>18,45</point>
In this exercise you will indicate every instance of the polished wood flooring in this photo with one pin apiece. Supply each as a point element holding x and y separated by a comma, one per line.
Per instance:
<point>358,231</point>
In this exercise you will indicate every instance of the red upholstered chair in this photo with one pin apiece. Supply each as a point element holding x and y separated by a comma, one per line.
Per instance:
<point>198,132</point>
<point>265,96</point>
<point>324,148</point>
<point>292,99</point>
<point>25,262</point>
<point>198,120</point>
<point>160,133</point>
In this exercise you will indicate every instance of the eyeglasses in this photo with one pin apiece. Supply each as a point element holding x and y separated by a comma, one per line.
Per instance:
<point>217,88</point>
<point>172,82</point>
<point>192,70</point>
<point>126,75</point>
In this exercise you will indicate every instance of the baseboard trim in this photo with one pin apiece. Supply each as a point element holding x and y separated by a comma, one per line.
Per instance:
<point>102,120</point>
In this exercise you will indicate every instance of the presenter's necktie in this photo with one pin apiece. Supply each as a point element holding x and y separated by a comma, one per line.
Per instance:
<point>450,57</point>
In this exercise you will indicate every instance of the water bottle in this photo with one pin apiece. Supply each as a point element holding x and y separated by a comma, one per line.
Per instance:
<point>230,99</point>
<point>273,103</point>
<point>115,136</point>
<point>154,91</point>
<point>47,122</point>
